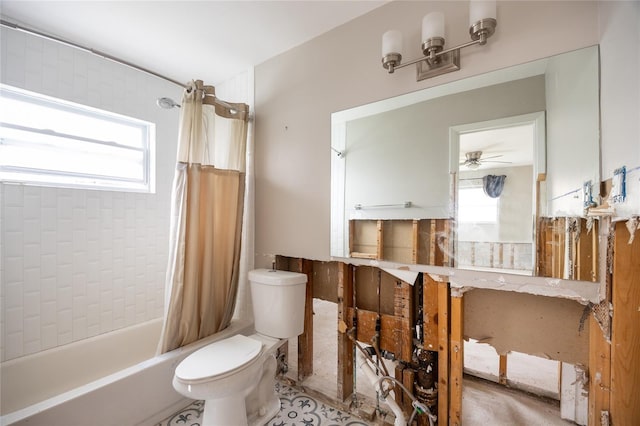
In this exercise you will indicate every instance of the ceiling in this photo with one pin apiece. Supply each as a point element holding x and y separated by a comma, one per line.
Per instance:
<point>508,146</point>
<point>183,40</point>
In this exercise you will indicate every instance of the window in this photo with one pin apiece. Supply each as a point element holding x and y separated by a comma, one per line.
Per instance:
<point>476,206</point>
<point>49,142</point>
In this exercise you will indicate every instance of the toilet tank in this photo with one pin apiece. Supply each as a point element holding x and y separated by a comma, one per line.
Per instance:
<point>278,302</point>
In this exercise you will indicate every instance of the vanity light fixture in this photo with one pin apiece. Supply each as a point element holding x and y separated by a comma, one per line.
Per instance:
<point>438,60</point>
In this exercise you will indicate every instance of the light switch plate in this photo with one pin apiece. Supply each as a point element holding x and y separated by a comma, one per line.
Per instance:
<point>619,185</point>
<point>587,195</point>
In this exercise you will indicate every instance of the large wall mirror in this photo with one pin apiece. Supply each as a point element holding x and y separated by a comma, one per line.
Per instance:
<point>492,172</point>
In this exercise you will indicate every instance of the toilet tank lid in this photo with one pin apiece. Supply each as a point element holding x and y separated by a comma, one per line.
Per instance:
<point>218,358</point>
<point>274,277</point>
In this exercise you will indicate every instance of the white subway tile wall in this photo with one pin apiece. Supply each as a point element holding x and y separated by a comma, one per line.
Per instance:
<point>76,263</point>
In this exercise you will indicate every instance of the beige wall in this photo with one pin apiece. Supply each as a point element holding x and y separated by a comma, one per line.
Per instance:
<point>297,91</point>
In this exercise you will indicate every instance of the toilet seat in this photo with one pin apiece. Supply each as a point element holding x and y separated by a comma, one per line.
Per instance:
<point>219,359</point>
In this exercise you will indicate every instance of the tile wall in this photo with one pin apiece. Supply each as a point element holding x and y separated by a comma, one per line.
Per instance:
<point>78,263</point>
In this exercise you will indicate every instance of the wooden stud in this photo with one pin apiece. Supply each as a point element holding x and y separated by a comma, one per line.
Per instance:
<point>588,253</point>
<point>305,340</point>
<point>456,362</point>
<point>555,247</point>
<point>561,247</point>
<point>345,346</point>
<point>380,240</point>
<point>512,257</point>
<point>399,393</point>
<point>625,335</point>
<point>429,313</point>
<point>448,246</point>
<point>559,388</point>
<point>282,263</point>
<point>491,257</point>
<point>548,245</point>
<point>541,247</point>
<point>572,245</point>
<point>594,250</point>
<point>443,353</point>
<point>432,241</point>
<point>403,302</point>
<point>408,376</point>
<point>502,370</point>
<point>538,230</point>
<point>599,372</point>
<point>415,246</point>
<point>473,253</point>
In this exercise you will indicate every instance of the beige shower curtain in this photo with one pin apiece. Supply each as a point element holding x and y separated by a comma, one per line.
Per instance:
<point>206,219</point>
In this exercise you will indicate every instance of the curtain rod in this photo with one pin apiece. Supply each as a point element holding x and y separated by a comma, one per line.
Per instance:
<point>87,49</point>
<point>104,55</point>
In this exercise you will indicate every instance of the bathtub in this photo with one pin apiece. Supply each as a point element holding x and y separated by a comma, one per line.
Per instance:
<point>111,379</point>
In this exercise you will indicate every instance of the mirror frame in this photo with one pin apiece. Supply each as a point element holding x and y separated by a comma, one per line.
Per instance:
<point>459,279</point>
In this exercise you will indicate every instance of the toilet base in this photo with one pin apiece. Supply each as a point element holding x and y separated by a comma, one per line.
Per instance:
<point>225,411</point>
<point>263,402</point>
<point>267,412</point>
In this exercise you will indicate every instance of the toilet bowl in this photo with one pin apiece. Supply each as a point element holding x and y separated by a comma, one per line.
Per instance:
<point>236,376</point>
<point>225,375</point>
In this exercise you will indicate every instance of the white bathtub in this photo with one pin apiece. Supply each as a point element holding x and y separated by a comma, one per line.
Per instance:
<point>111,379</point>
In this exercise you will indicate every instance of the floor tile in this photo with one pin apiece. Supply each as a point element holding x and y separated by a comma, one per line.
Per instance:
<point>297,409</point>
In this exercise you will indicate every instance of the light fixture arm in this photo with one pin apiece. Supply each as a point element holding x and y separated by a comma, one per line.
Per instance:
<point>437,60</point>
<point>438,54</point>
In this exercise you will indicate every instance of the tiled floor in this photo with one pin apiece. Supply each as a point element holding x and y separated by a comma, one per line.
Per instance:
<point>297,408</point>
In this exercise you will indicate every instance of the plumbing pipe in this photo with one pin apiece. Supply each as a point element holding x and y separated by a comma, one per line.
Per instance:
<point>375,381</point>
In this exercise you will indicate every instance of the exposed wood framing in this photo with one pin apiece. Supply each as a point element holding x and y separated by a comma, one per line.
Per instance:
<point>408,377</point>
<point>543,255</point>
<point>614,368</point>
<point>380,240</point>
<point>502,370</point>
<point>586,249</point>
<point>625,337</point>
<point>456,362</point>
<point>444,254</point>
<point>366,329</point>
<point>345,346</point>
<point>425,241</point>
<point>399,393</point>
<point>415,244</point>
<point>432,242</point>
<point>443,353</point>
<point>403,301</point>
<point>559,248</point>
<point>556,237</point>
<point>430,313</point>
<point>599,372</point>
<point>305,340</point>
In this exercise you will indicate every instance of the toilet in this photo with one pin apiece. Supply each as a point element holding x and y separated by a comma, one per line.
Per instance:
<point>236,376</point>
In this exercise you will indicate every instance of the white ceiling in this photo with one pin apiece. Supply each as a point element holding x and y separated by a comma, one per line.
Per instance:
<point>509,146</point>
<point>183,40</point>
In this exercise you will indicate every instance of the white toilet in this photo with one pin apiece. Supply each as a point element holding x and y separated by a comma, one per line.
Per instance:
<point>236,376</point>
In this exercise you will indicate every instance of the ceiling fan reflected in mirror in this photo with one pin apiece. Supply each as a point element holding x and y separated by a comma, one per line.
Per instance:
<point>474,160</point>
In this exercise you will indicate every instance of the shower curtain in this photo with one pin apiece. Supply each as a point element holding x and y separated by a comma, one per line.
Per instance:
<point>206,219</point>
